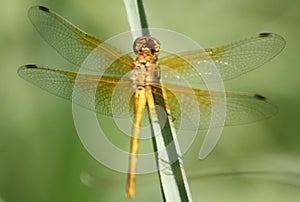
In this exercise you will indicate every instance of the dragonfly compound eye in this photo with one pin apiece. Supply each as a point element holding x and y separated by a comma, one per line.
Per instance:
<point>144,43</point>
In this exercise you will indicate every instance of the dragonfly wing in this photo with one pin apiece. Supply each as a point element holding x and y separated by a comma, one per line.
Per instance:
<point>92,91</point>
<point>241,108</point>
<point>230,60</point>
<point>74,44</point>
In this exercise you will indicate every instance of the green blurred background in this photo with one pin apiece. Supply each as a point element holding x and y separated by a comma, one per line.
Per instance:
<point>42,159</point>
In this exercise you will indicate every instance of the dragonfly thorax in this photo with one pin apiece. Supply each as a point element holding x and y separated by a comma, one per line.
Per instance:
<point>145,70</point>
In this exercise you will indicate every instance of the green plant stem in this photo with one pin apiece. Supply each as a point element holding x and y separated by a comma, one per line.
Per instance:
<point>172,176</point>
<point>143,18</point>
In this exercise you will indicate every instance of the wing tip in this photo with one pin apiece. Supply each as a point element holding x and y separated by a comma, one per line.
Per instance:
<point>43,8</point>
<point>273,109</point>
<point>30,66</point>
<point>24,67</point>
<point>264,34</point>
<point>34,12</point>
<point>260,97</point>
<point>269,34</point>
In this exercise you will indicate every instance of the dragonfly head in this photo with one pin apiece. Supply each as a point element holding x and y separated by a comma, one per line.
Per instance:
<point>146,44</point>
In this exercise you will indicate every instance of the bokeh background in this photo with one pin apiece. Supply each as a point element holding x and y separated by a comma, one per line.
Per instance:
<point>42,158</point>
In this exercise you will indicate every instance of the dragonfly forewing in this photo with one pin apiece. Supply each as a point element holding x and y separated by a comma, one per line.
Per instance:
<point>74,44</point>
<point>230,60</point>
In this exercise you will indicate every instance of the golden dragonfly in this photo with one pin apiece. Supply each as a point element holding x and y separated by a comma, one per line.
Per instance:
<point>75,45</point>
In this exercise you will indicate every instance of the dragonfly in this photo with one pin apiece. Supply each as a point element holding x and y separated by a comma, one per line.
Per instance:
<point>144,75</point>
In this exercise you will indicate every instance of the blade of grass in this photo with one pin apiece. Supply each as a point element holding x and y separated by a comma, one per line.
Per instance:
<point>172,176</point>
<point>143,18</point>
<point>133,16</point>
<point>171,171</point>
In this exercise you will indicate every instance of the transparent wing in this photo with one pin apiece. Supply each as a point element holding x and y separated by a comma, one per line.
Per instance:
<point>241,108</point>
<point>96,94</point>
<point>230,60</point>
<point>92,92</point>
<point>74,44</point>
